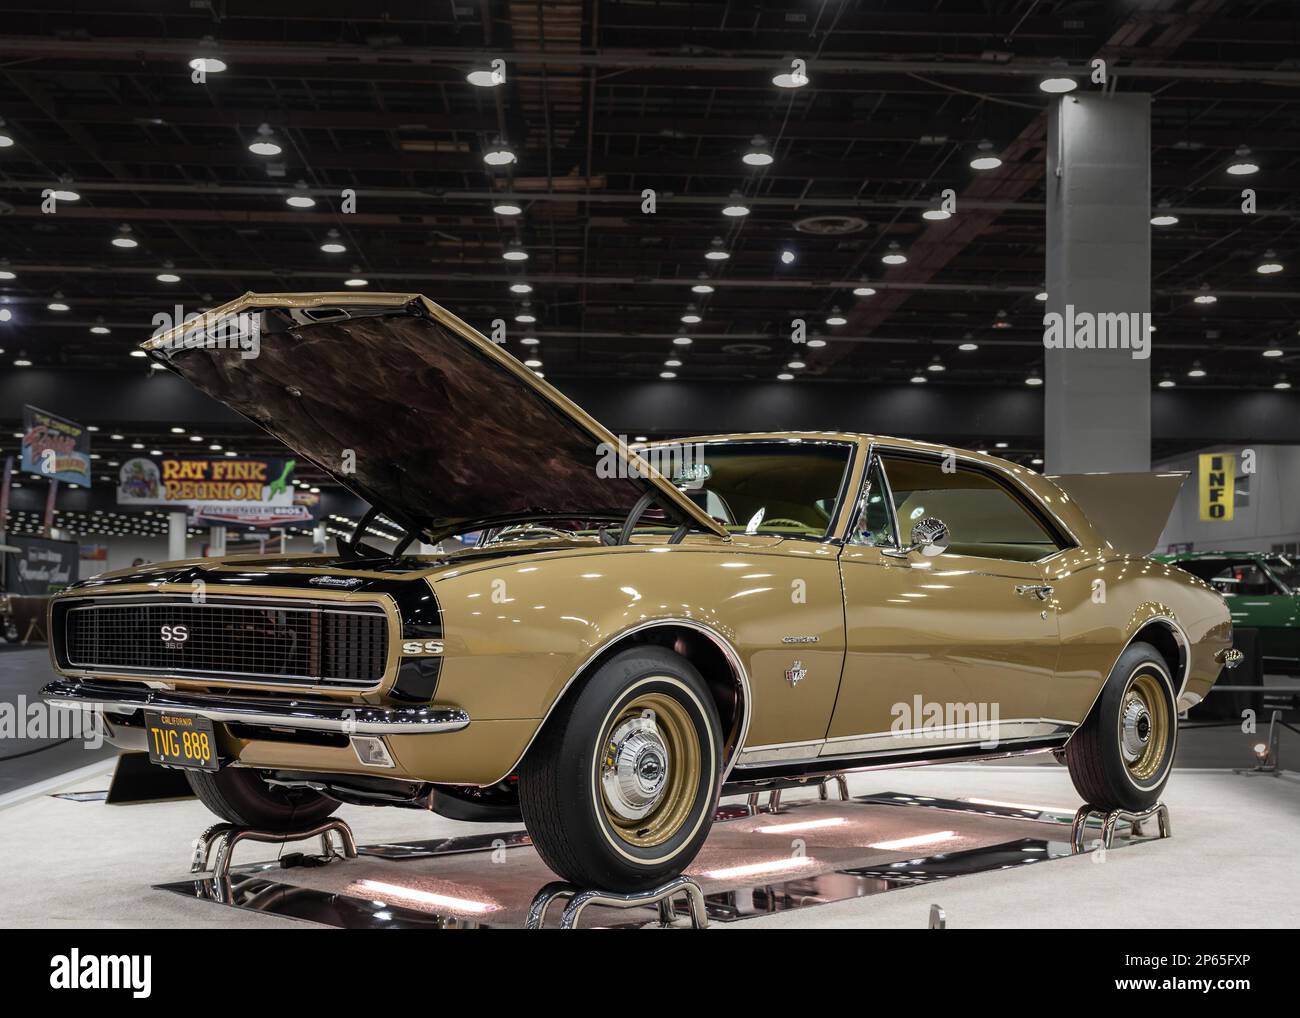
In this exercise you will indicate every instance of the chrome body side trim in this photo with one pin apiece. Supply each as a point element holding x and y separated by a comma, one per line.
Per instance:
<point>721,642</point>
<point>346,718</point>
<point>946,739</point>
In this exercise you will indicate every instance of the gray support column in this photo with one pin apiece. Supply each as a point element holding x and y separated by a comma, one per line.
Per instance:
<point>1097,412</point>
<point>175,535</point>
<point>216,542</point>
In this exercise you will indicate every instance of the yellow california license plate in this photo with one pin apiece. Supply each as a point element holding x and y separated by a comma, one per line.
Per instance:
<point>181,740</point>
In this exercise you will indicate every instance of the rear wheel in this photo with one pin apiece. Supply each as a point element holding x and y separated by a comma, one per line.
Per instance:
<point>619,790</point>
<point>1121,755</point>
<point>242,796</point>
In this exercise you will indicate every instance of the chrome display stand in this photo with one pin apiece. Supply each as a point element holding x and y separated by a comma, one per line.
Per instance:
<point>579,898</point>
<point>774,796</point>
<point>224,837</point>
<point>1109,819</point>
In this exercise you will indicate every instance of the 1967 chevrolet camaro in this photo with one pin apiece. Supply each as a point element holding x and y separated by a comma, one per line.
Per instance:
<point>633,634</point>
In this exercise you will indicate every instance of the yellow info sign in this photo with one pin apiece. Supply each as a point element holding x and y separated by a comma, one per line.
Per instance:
<point>1217,477</point>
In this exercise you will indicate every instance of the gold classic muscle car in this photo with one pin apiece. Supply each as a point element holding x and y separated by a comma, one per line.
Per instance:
<point>636,630</point>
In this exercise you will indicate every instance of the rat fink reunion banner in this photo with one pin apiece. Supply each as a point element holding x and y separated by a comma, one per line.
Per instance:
<point>235,491</point>
<point>55,447</point>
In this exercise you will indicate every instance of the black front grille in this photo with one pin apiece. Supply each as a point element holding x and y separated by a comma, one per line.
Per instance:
<point>271,642</point>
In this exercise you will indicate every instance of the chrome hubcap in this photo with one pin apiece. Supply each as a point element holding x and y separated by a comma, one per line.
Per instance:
<point>634,772</point>
<point>1135,728</point>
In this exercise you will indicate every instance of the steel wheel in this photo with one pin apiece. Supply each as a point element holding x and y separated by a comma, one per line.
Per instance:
<point>1143,725</point>
<point>648,768</point>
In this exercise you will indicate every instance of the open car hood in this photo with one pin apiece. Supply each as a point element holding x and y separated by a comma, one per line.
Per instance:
<point>1128,510</point>
<point>413,410</point>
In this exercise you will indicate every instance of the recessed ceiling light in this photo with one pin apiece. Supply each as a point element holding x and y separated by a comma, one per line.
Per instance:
<point>735,205</point>
<point>499,154</point>
<point>532,362</point>
<point>968,347</point>
<point>894,256</point>
<point>514,253</point>
<point>701,288</point>
<point>784,376</point>
<point>918,379</point>
<point>836,318</point>
<point>209,65</point>
<point>100,330</point>
<point>682,340</point>
<point>6,275</point>
<point>65,194</point>
<point>1041,295</point>
<point>1057,84</point>
<point>1274,351</point>
<point>815,342</point>
<point>864,291</point>
<point>986,158</point>
<point>796,365</point>
<point>167,277</point>
<point>530,341</point>
<point>999,445</point>
<point>1243,165</point>
<point>791,75</point>
<point>1205,298</point>
<point>1281,383</point>
<point>671,362</point>
<point>935,366</point>
<point>356,281</point>
<point>1269,265</point>
<point>265,144</point>
<point>22,362</point>
<point>58,306</point>
<point>507,208</point>
<point>758,154</point>
<point>1163,216</point>
<point>716,251</point>
<point>300,201</point>
<point>138,353</point>
<point>520,288</point>
<point>1034,379</point>
<point>124,238</point>
<point>1196,370</point>
<point>668,374</point>
<point>936,215</point>
<point>486,77</point>
<point>691,316</point>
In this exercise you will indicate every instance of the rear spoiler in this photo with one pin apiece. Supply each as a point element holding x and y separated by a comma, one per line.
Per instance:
<point>1128,510</point>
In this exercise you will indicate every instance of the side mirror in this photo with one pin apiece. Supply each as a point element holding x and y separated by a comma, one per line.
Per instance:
<point>929,536</point>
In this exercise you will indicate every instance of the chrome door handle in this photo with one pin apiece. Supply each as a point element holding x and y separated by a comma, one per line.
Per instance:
<point>1040,590</point>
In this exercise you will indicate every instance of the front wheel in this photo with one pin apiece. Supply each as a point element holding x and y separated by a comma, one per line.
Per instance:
<point>1121,755</point>
<point>243,797</point>
<point>618,791</point>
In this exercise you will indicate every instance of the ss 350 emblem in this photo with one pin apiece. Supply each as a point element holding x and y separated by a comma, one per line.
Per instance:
<point>173,636</point>
<point>796,673</point>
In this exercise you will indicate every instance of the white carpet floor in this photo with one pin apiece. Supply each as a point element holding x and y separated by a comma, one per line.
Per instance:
<point>1233,860</point>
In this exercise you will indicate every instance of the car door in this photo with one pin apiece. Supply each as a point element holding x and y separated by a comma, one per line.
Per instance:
<point>949,648</point>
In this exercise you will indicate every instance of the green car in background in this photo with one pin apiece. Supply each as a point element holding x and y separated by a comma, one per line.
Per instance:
<point>1263,593</point>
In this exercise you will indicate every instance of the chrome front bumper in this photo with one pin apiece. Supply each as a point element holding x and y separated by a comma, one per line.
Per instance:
<point>317,715</point>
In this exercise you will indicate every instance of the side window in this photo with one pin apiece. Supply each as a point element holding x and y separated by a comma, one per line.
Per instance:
<point>875,526</point>
<point>1244,578</point>
<point>983,517</point>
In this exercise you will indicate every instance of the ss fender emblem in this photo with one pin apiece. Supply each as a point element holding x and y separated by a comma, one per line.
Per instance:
<point>421,648</point>
<point>174,634</point>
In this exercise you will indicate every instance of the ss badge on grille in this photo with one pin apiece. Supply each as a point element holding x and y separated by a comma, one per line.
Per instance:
<point>174,636</point>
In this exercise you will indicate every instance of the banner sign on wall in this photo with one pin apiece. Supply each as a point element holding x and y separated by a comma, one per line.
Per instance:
<point>55,447</point>
<point>1218,475</point>
<point>40,567</point>
<point>235,491</point>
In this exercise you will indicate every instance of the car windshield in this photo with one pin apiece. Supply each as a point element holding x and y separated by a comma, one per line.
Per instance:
<point>790,488</point>
<point>1286,570</point>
